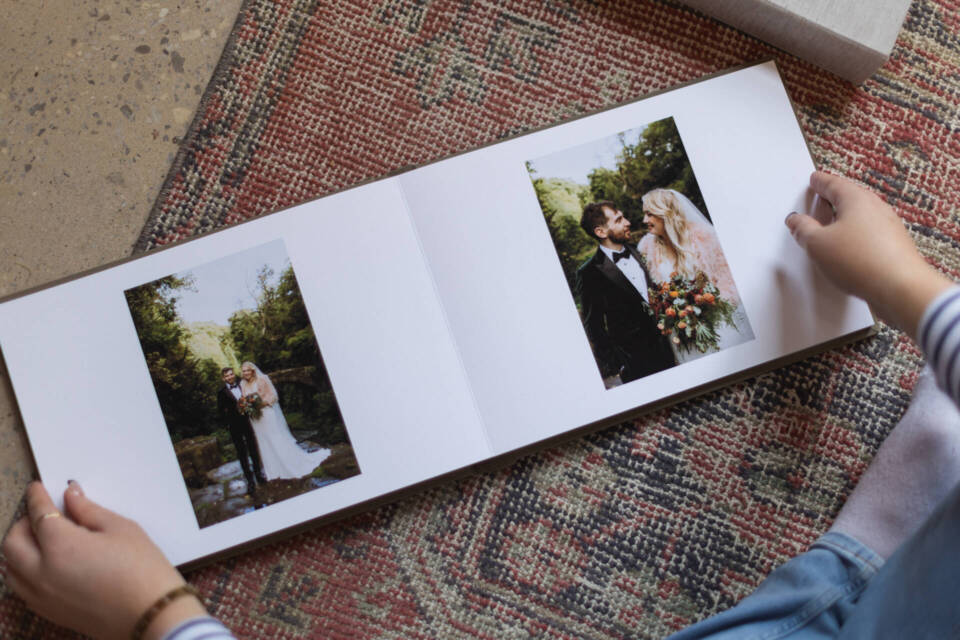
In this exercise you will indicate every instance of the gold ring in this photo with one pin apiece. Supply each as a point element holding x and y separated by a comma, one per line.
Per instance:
<point>52,514</point>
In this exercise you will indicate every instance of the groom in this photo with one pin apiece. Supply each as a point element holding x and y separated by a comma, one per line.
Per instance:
<point>614,299</point>
<point>240,430</point>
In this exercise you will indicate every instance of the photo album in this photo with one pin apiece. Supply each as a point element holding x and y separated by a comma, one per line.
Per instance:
<point>302,365</point>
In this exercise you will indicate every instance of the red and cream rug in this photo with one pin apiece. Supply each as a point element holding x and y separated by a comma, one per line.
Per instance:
<point>637,530</point>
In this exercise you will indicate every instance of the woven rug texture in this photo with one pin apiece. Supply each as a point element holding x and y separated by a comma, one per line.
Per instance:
<point>634,531</point>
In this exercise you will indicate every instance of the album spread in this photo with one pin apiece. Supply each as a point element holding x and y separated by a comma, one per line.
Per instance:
<point>313,361</point>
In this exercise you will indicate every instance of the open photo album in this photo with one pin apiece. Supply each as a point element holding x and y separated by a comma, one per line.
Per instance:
<point>324,357</point>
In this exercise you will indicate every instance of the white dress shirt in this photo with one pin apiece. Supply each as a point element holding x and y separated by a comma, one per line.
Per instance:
<point>632,269</point>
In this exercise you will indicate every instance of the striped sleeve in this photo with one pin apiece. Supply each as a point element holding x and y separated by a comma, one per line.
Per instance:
<point>939,338</point>
<point>205,628</point>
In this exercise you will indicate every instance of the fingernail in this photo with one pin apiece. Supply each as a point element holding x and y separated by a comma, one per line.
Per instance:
<point>74,487</point>
<point>790,215</point>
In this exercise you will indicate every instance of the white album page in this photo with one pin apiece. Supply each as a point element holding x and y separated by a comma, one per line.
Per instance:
<point>117,374</point>
<point>548,328</point>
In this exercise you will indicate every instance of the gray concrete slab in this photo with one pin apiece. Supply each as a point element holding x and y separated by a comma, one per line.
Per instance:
<point>94,98</point>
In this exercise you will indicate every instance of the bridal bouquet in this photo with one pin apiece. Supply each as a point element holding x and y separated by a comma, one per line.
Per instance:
<point>689,311</point>
<point>250,405</point>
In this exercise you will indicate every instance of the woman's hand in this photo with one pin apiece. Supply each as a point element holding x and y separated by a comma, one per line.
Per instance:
<point>95,571</point>
<point>866,251</point>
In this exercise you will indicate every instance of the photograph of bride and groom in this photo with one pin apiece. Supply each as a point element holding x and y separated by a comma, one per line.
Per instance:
<point>639,251</point>
<point>241,383</point>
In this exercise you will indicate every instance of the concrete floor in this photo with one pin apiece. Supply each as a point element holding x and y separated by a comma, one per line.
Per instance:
<point>94,98</point>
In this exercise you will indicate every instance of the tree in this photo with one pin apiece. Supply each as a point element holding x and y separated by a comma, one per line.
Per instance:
<point>607,184</point>
<point>184,385</point>
<point>657,160</point>
<point>568,238</point>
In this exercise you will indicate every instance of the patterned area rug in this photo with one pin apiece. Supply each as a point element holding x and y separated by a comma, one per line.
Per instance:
<point>634,531</point>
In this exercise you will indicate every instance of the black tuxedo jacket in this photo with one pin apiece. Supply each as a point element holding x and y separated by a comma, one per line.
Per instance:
<point>227,410</point>
<point>619,323</point>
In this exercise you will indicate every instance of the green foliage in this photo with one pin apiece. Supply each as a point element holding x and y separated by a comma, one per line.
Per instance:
<point>656,160</point>
<point>212,341</point>
<point>295,420</point>
<point>563,197</point>
<point>556,198</point>
<point>277,334</point>
<point>607,184</point>
<point>185,386</point>
<point>228,450</point>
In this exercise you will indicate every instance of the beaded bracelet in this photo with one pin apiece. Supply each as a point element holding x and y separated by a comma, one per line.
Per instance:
<point>150,614</point>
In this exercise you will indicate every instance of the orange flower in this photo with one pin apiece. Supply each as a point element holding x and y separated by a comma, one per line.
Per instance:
<point>697,298</point>
<point>681,325</point>
<point>674,294</point>
<point>683,313</point>
<point>671,312</point>
<point>709,298</point>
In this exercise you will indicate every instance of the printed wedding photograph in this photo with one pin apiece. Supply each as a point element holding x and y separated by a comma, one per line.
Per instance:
<point>240,380</point>
<point>639,251</point>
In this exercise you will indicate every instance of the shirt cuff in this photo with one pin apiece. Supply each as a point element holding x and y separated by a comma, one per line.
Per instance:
<point>939,338</point>
<point>205,627</point>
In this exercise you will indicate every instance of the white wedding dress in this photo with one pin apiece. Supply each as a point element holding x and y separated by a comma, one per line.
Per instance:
<point>280,454</point>
<point>708,258</point>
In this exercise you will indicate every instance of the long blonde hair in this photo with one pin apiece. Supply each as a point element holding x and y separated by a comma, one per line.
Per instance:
<point>663,204</point>
<point>261,383</point>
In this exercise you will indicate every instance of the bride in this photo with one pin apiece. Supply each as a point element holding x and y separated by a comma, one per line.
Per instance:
<point>281,455</point>
<point>680,240</point>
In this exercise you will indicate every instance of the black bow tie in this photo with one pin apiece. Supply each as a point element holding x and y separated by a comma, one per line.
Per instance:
<point>623,255</point>
<point>234,385</point>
